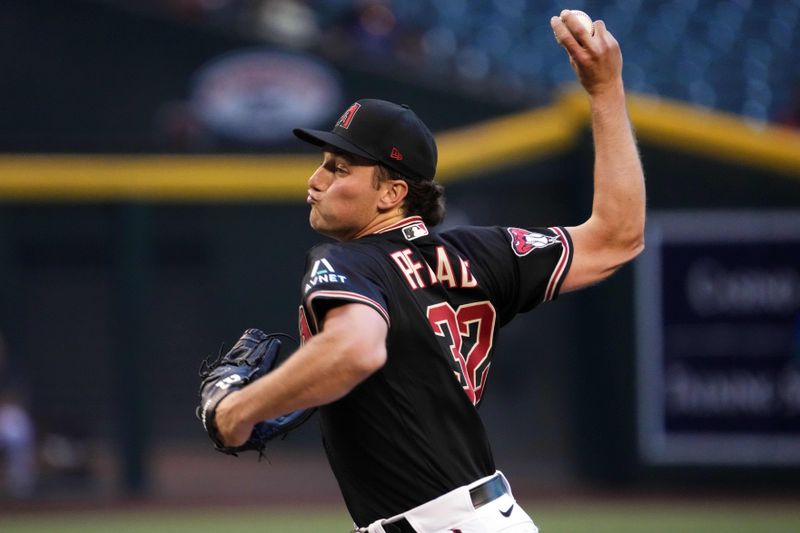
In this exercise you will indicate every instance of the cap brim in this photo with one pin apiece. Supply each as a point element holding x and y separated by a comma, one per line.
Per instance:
<point>328,138</point>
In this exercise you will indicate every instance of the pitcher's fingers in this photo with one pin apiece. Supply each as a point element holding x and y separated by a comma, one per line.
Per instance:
<point>601,32</point>
<point>576,27</point>
<point>565,38</point>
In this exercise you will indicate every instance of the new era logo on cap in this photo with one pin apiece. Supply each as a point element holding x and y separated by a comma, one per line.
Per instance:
<point>384,132</point>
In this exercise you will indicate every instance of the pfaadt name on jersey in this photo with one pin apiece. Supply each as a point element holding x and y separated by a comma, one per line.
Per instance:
<point>413,270</point>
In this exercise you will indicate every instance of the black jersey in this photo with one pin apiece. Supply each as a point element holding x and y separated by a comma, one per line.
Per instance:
<point>411,431</point>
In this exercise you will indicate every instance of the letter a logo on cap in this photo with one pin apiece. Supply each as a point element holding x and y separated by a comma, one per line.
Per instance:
<point>347,117</point>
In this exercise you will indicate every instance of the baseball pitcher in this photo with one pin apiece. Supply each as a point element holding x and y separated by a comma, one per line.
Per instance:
<point>399,322</point>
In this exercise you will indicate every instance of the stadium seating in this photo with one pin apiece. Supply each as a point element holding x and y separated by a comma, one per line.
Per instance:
<point>739,56</point>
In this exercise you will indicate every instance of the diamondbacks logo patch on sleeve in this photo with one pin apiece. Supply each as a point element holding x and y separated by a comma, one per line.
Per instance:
<point>524,242</point>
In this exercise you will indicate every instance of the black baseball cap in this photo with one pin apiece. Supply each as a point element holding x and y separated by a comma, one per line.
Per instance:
<point>387,133</point>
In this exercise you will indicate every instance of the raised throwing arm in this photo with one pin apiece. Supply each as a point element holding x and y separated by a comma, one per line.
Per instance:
<point>614,233</point>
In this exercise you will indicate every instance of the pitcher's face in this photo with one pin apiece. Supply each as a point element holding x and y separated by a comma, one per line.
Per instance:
<point>342,195</point>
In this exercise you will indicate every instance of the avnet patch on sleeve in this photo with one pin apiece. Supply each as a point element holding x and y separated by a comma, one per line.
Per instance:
<point>335,275</point>
<point>323,272</point>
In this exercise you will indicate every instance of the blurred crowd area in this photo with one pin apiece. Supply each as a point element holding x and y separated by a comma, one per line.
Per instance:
<point>738,56</point>
<point>17,449</point>
<point>205,76</point>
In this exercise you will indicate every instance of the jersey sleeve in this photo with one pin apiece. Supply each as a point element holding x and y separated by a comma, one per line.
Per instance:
<point>523,266</point>
<point>542,257</point>
<point>336,275</point>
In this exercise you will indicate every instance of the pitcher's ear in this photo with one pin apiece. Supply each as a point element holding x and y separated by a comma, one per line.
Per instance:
<point>393,194</point>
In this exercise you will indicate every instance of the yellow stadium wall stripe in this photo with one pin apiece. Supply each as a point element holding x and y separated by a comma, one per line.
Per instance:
<point>713,134</point>
<point>725,137</point>
<point>492,144</point>
<point>477,149</point>
<point>507,141</point>
<point>154,178</point>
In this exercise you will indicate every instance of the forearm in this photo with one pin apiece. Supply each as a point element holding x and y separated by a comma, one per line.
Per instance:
<point>318,373</point>
<point>618,208</point>
<point>351,346</point>
<point>614,233</point>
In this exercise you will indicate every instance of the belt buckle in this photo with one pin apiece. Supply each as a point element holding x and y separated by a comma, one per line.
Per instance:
<point>398,526</point>
<point>488,491</point>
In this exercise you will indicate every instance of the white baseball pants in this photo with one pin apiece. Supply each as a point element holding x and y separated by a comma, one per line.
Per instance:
<point>454,512</point>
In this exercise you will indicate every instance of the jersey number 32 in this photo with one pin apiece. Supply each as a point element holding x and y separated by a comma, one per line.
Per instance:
<point>469,330</point>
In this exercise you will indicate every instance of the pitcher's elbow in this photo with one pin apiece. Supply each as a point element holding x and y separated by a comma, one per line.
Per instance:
<point>366,359</point>
<point>630,249</point>
<point>638,246</point>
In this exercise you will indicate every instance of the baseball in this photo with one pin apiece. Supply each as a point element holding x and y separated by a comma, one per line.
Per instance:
<point>585,20</point>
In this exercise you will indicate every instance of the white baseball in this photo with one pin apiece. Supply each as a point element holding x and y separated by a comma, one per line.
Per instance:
<point>585,20</point>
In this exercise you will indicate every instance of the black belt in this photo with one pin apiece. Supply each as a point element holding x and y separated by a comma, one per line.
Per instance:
<point>486,492</point>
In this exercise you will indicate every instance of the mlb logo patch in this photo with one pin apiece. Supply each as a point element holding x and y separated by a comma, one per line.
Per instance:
<point>415,231</point>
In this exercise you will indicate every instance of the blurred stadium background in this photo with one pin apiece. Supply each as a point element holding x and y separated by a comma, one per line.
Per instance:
<point>152,206</point>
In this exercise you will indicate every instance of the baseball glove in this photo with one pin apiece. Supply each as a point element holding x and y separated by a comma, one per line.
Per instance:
<point>253,356</point>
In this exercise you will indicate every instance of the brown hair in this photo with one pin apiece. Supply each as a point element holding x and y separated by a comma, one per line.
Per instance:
<point>425,197</point>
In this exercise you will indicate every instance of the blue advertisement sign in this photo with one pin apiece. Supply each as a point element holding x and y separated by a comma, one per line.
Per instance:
<point>718,326</point>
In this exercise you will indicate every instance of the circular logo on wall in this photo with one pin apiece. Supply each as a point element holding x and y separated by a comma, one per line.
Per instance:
<point>258,96</point>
